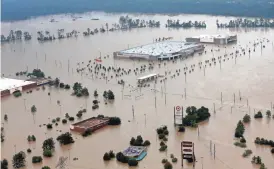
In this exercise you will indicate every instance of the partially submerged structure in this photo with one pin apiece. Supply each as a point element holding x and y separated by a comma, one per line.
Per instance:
<point>135,152</point>
<point>148,77</point>
<point>9,86</point>
<point>214,39</point>
<point>93,124</point>
<point>160,50</point>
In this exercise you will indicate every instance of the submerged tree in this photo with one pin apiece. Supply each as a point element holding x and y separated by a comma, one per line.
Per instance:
<point>65,138</point>
<point>19,160</point>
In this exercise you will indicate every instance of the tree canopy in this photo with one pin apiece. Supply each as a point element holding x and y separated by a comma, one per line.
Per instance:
<point>195,115</point>
<point>19,160</point>
<point>65,138</point>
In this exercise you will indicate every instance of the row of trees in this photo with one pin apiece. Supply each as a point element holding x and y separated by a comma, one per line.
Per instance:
<point>16,35</point>
<point>247,23</point>
<point>190,24</point>
<point>125,22</point>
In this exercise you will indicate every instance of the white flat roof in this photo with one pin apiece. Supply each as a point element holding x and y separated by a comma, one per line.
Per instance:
<point>147,76</point>
<point>7,83</point>
<point>212,36</point>
<point>158,48</point>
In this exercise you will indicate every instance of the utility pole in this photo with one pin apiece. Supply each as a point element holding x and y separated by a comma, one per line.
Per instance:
<point>155,93</point>
<point>221,98</point>
<point>185,93</point>
<point>165,91</point>
<point>133,111</point>
<point>234,98</point>
<point>214,151</point>
<point>25,104</point>
<point>214,107</point>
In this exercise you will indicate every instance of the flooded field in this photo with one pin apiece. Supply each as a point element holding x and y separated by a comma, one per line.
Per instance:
<point>249,76</point>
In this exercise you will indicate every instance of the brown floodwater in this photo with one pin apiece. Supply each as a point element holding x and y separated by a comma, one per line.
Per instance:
<point>251,76</point>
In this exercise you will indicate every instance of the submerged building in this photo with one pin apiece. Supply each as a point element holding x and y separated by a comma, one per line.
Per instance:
<point>9,86</point>
<point>214,39</point>
<point>160,50</point>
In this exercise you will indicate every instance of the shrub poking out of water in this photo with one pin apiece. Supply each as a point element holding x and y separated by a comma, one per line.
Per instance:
<point>33,109</point>
<point>239,144</point>
<point>65,138</point>
<point>49,126</point>
<point>272,150</point>
<point>114,121</point>
<point>181,129</point>
<point>168,165</point>
<point>240,129</point>
<point>46,167</point>
<point>162,143</point>
<point>256,160</point>
<point>111,154</point>
<point>79,114</point>
<point>53,120</point>
<point>165,139</point>
<point>71,118</point>
<point>132,162</point>
<point>58,119</point>
<point>258,115</point>
<point>17,93</point>
<point>5,117</point>
<point>47,153</point>
<point>161,136</point>
<point>4,164</point>
<point>242,140</point>
<point>106,157</point>
<point>246,118</point>
<point>268,113</point>
<point>163,148</point>
<point>96,106</point>
<point>29,150</point>
<point>164,161</point>
<point>87,132</point>
<point>67,86</point>
<point>174,160</point>
<point>95,101</point>
<point>64,121</point>
<point>95,94</point>
<point>146,143</point>
<point>31,138</point>
<point>121,158</point>
<point>247,153</point>
<point>37,159</point>
<point>62,85</point>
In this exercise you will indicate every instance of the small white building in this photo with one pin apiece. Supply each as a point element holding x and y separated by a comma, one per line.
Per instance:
<point>160,50</point>
<point>214,39</point>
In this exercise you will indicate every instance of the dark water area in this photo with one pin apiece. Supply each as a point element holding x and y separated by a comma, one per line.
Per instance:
<point>20,10</point>
<point>251,75</point>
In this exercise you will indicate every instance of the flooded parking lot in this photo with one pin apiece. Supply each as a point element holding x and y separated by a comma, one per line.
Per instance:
<point>249,76</point>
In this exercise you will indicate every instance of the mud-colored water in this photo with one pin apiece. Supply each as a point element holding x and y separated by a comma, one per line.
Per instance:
<point>252,76</point>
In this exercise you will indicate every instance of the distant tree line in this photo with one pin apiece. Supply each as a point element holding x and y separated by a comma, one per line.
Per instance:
<point>190,24</point>
<point>247,23</point>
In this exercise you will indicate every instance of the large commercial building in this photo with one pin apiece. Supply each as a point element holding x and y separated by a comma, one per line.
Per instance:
<point>160,51</point>
<point>8,86</point>
<point>214,39</point>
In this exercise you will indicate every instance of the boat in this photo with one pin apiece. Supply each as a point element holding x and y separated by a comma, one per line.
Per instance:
<point>94,19</point>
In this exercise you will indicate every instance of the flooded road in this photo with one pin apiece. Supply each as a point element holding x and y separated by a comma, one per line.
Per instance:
<point>249,76</point>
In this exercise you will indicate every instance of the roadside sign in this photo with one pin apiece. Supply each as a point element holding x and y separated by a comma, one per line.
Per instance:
<point>178,111</point>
